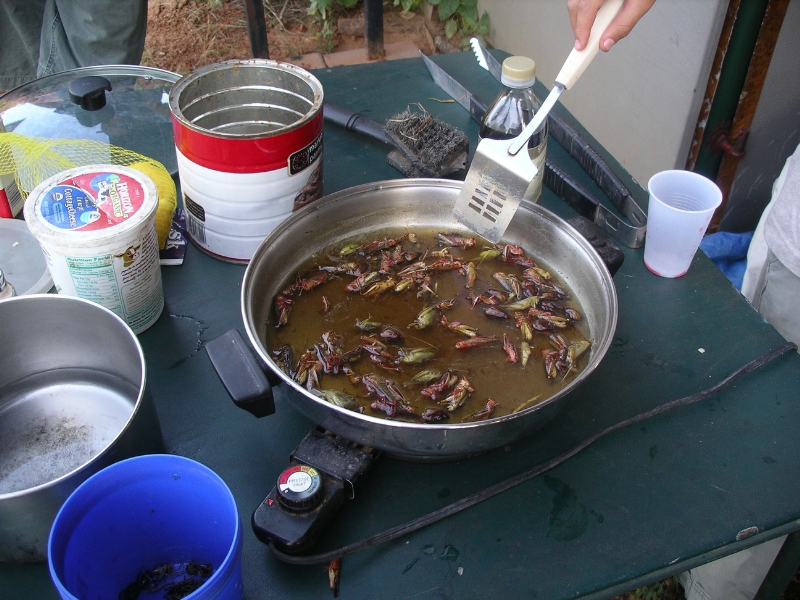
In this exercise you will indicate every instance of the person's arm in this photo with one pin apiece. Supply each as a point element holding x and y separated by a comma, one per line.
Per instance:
<point>583,12</point>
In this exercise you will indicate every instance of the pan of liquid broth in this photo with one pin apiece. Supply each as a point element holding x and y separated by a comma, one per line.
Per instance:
<point>292,262</point>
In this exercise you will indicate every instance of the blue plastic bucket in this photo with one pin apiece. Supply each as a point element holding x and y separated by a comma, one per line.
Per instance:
<point>141,514</point>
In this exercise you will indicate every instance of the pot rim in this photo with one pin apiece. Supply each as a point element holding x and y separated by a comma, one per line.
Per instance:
<point>263,63</point>
<point>142,383</point>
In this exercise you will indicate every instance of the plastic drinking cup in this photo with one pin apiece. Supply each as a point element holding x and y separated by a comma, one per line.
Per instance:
<point>680,209</point>
<point>143,514</point>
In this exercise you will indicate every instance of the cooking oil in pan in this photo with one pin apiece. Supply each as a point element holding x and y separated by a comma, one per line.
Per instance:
<point>319,303</point>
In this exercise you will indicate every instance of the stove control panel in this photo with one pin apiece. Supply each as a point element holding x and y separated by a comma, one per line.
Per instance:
<point>300,488</point>
<point>321,474</point>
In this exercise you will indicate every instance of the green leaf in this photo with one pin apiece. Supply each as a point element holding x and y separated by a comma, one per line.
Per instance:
<point>319,8</point>
<point>468,12</point>
<point>434,2</point>
<point>470,3</point>
<point>470,24</point>
<point>447,8</point>
<point>450,28</point>
<point>348,3</point>
<point>409,5</point>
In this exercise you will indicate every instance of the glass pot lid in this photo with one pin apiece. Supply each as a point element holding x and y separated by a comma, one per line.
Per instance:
<point>123,105</point>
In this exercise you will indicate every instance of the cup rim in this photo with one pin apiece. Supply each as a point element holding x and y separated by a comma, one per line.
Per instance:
<point>713,188</point>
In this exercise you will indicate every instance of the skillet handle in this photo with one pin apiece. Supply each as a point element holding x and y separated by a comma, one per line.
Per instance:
<point>241,374</point>
<point>608,250</point>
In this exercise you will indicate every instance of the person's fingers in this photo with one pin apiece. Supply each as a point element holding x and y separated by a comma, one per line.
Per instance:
<point>623,23</point>
<point>581,15</point>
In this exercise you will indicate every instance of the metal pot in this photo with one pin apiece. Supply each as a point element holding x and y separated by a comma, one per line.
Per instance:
<point>73,400</point>
<point>416,203</point>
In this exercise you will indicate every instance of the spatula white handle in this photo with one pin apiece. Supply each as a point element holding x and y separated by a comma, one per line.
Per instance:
<point>578,60</point>
<point>576,64</point>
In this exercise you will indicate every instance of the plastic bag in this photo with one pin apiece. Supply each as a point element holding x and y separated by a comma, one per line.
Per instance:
<point>34,159</point>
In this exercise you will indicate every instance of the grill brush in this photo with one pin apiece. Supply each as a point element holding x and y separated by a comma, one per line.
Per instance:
<point>424,145</point>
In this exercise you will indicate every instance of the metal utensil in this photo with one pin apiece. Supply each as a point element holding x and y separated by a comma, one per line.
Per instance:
<point>631,232</point>
<point>486,60</point>
<point>475,106</point>
<point>500,174</point>
<point>555,178</point>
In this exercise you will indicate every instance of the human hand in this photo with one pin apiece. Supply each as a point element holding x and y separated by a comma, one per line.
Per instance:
<point>583,12</point>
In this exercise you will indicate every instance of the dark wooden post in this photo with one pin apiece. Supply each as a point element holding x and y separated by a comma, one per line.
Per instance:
<point>256,28</point>
<point>373,29</point>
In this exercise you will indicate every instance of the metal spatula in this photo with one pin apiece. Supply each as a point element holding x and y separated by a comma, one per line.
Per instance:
<point>500,174</point>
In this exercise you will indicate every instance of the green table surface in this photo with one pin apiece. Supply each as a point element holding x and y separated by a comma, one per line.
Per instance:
<point>644,503</point>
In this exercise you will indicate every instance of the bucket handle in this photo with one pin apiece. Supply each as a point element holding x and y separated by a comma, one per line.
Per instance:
<point>241,374</point>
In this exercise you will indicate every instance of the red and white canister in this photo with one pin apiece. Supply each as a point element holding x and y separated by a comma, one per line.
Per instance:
<point>248,135</point>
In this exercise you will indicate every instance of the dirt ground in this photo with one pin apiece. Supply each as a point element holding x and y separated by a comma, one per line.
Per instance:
<point>185,34</point>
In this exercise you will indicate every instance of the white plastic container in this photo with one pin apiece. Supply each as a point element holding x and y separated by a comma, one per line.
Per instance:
<point>96,226</point>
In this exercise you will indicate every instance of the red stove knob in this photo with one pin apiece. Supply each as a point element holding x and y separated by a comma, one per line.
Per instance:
<point>300,488</point>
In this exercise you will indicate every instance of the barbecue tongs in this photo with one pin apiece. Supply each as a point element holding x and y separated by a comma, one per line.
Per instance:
<point>630,233</point>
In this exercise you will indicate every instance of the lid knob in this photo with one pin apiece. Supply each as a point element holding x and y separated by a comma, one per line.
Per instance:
<point>89,92</point>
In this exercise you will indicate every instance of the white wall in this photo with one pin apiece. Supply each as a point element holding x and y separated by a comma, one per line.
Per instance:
<point>642,99</point>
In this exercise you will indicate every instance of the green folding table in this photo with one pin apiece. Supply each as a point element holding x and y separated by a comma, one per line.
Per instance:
<point>639,505</point>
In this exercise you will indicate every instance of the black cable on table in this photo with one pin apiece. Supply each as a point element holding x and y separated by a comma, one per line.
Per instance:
<point>464,503</point>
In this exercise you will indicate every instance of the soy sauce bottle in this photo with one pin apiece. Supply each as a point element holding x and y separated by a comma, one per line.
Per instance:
<point>514,108</point>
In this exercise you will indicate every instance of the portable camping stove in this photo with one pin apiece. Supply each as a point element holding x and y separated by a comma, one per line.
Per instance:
<point>322,472</point>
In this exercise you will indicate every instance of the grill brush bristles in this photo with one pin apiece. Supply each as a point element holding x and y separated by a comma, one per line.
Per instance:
<point>432,147</point>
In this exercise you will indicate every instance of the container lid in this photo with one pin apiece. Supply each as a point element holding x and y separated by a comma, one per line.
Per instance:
<point>21,259</point>
<point>518,72</point>
<point>91,204</point>
<point>122,105</point>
